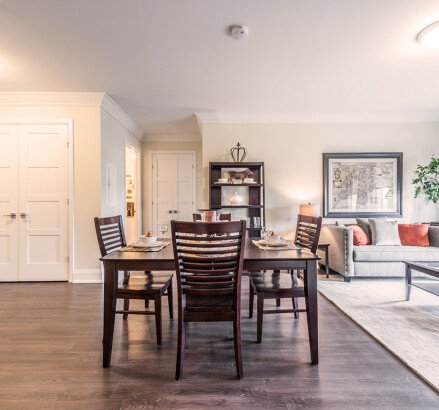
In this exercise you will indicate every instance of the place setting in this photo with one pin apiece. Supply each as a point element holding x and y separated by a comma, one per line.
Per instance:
<point>270,241</point>
<point>148,242</point>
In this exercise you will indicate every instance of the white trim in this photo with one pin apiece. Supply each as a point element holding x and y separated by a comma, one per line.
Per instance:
<point>172,137</point>
<point>71,190</point>
<point>92,99</point>
<point>87,276</point>
<point>317,117</point>
<point>48,98</point>
<point>109,105</point>
<point>194,177</point>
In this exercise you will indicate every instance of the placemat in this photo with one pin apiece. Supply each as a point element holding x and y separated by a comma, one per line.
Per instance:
<point>289,246</point>
<point>130,248</point>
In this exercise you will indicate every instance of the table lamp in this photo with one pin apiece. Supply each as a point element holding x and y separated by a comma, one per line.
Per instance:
<point>310,210</point>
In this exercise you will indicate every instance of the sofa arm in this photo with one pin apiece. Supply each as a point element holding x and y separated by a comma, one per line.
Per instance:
<point>433,235</point>
<point>341,241</point>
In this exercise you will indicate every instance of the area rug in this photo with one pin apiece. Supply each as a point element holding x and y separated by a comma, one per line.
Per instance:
<point>409,330</point>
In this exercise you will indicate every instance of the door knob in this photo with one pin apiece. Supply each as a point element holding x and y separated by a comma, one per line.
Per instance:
<point>170,211</point>
<point>175,211</point>
<point>11,215</point>
<point>23,215</point>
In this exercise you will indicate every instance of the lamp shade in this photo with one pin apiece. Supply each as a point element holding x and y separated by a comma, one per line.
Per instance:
<point>310,210</point>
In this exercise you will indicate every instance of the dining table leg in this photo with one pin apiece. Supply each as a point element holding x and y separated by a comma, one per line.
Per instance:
<point>110,289</point>
<point>310,282</point>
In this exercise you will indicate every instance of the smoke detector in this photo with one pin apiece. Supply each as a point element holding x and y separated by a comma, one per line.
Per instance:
<point>238,32</point>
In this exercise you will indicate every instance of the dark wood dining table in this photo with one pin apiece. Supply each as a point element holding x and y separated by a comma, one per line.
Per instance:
<point>255,260</point>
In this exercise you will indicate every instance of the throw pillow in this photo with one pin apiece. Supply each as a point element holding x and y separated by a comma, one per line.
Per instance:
<point>384,232</point>
<point>414,234</point>
<point>364,224</point>
<point>360,237</point>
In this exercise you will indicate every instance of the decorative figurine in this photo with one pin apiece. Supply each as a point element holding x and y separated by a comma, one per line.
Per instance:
<point>239,175</point>
<point>238,153</point>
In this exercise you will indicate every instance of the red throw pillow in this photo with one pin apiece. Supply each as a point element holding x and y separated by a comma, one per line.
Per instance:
<point>414,235</point>
<point>360,237</point>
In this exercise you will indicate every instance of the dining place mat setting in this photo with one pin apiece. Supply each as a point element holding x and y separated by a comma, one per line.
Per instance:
<point>287,246</point>
<point>137,248</point>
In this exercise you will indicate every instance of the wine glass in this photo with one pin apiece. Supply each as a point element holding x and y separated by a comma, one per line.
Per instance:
<point>267,233</point>
<point>162,228</point>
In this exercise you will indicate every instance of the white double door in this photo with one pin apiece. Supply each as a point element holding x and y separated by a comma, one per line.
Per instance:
<point>173,188</point>
<point>33,203</point>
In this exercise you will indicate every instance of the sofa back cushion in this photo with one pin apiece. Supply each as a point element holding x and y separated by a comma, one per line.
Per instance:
<point>414,235</point>
<point>384,232</point>
<point>360,237</point>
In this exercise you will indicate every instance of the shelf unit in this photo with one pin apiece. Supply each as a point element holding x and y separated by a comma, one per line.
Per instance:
<point>255,195</point>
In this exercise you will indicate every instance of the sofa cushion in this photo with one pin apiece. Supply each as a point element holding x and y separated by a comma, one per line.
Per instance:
<point>414,234</point>
<point>384,232</point>
<point>372,253</point>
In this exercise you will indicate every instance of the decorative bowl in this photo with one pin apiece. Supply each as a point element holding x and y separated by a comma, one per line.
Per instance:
<point>147,240</point>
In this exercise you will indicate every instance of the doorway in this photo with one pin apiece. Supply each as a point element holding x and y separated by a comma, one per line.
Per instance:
<point>172,192</point>
<point>132,188</point>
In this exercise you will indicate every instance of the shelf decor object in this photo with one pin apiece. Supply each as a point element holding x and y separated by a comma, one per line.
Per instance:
<point>362,184</point>
<point>248,198</point>
<point>238,153</point>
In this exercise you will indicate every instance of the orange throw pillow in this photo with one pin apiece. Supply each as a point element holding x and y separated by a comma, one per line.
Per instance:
<point>414,235</point>
<point>360,237</point>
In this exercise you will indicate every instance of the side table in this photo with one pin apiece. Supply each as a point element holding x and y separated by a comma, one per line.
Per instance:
<point>325,248</point>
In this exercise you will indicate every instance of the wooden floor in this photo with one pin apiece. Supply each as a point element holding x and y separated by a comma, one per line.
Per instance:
<point>50,357</point>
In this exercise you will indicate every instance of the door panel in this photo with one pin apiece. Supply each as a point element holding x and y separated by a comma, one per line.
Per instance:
<point>173,193</point>
<point>8,203</point>
<point>43,222</point>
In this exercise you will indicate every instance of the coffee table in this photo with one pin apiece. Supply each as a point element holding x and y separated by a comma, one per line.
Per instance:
<point>430,268</point>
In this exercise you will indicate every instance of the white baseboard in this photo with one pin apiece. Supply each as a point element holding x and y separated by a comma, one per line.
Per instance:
<point>87,276</point>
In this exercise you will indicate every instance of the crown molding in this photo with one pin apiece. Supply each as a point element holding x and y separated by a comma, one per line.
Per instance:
<point>40,98</point>
<point>172,138</point>
<point>109,105</point>
<point>81,99</point>
<point>316,117</point>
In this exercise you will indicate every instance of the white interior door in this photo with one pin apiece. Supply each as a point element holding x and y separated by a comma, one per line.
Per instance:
<point>173,192</point>
<point>43,203</point>
<point>8,203</point>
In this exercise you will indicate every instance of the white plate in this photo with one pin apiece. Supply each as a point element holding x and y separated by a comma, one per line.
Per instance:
<point>274,244</point>
<point>141,245</point>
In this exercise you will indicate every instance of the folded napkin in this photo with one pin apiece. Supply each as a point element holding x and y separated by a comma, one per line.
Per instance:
<point>289,246</point>
<point>131,248</point>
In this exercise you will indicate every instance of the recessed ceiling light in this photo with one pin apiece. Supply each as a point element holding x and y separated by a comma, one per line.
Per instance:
<point>429,37</point>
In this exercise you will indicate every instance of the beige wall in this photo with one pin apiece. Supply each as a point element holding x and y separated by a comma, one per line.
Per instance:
<point>87,171</point>
<point>149,146</point>
<point>293,159</point>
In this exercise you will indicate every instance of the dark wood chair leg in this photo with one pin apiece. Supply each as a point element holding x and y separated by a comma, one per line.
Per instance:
<point>158,317</point>
<point>149,276</point>
<point>278,302</point>
<point>126,306</point>
<point>238,345</point>
<point>146,303</point>
<point>260,315</point>
<point>126,277</point>
<point>251,301</point>
<point>295,306</point>
<point>170,301</point>
<point>180,347</point>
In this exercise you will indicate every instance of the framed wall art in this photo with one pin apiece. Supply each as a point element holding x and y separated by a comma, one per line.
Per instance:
<point>362,184</point>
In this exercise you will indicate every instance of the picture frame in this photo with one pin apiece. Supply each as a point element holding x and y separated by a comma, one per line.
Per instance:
<point>362,184</point>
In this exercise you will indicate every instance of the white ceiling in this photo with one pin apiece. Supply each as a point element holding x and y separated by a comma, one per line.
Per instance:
<point>163,60</point>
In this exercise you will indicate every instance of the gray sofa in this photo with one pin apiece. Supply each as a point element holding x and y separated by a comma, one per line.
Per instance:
<point>373,261</point>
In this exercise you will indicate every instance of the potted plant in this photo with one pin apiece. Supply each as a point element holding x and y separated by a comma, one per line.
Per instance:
<point>426,180</point>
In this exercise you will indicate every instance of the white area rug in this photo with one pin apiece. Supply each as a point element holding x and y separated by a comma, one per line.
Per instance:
<point>410,330</point>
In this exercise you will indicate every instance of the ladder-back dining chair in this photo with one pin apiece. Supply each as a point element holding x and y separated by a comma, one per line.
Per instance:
<point>208,264</point>
<point>111,237</point>
<point>222,217</point>
<point>278,285</point>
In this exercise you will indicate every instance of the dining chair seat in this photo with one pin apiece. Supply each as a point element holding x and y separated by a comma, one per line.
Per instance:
<point>276,282</point>
<point>141,285</point>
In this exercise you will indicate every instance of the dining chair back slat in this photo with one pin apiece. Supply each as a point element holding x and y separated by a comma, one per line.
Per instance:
<point>308,230</point>
<point>223,217</point>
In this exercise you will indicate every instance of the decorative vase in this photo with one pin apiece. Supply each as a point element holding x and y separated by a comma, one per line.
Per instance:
<point>236,199</point>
